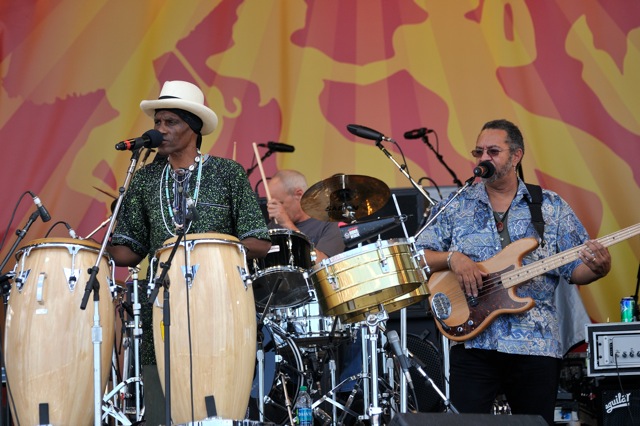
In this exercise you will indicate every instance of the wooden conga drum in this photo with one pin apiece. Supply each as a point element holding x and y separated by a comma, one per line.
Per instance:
<point>48,338</point>
<point>212,330</point>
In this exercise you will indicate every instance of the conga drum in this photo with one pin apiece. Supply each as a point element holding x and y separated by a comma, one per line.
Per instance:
<point>48,338</point>
<point>213,326</point>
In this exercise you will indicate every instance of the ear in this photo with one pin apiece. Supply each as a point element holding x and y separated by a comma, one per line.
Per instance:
<point>298,193</point>
<point>517,156</point>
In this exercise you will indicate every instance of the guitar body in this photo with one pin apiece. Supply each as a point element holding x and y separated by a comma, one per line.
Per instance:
<point>460,317</point>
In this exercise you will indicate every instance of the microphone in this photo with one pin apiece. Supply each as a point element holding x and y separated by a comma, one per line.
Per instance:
<point>367,133</point>
<point>150,139</point>
<point>417,133</point>
<point>394,340</point>
<point>484,170</point>
<point>44,214</point>
<point>72,233</point>
<point>278,146</point>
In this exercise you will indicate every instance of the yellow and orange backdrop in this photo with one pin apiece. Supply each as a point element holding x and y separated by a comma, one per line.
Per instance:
<point>567,72</point>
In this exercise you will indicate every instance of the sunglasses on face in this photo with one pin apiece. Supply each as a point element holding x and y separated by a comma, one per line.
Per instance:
<point>491,151</point>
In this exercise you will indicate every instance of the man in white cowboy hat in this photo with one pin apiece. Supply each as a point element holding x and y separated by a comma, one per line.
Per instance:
<point>182,190</point>
<point>217,188</point>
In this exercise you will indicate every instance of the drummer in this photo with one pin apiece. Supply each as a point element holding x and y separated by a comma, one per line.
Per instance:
<point>153,209</point>
<point>285,212</point>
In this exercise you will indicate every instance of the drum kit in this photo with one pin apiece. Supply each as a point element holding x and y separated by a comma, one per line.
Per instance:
<point>245,335</point>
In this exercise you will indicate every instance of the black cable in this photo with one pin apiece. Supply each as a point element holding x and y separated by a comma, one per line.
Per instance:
<point>13,214</point>
<point>60,222</point>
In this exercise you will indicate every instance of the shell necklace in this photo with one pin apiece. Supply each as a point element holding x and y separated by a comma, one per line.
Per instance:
<point>180,192</point>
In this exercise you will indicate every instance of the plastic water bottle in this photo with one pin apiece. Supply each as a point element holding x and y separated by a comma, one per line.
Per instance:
<point>303,408</point>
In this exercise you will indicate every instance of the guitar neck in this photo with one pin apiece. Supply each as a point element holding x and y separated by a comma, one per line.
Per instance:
<point>525,273</point>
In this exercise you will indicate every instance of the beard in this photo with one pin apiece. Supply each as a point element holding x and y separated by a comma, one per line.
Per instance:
<point>503,171</point>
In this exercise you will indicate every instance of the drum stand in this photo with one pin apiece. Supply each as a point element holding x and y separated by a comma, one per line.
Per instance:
<point>121,391</point>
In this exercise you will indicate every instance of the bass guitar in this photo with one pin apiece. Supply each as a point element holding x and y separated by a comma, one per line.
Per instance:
<point>460,317</point>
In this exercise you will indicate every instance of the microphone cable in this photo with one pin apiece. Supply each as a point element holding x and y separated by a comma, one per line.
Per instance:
<point>13,214</point>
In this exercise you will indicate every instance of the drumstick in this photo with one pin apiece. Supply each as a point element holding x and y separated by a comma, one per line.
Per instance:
<point>264,178</point>
<point>233,155</point>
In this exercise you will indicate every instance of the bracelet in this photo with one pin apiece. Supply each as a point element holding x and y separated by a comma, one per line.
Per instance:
<point>449,259</point>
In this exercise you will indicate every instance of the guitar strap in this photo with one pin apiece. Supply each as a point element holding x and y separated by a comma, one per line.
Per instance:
<point>535,207</point>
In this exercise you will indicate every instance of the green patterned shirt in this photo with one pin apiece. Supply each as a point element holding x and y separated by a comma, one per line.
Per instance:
<point>225,204</point>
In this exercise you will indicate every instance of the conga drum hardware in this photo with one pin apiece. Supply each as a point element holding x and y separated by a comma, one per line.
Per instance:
<point>72,274</point>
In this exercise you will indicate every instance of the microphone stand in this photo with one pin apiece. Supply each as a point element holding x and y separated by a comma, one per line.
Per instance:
<point>425,139</point>
<point>166,312</point>
<point>251,169</point>
<point>94,285</point>
<point>419,365</point>
<point>403,169</point>
<point>20,233</point>
<point>433,218</point>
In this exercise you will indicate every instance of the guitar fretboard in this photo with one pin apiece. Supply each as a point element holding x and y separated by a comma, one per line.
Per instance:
<point>520,275</point>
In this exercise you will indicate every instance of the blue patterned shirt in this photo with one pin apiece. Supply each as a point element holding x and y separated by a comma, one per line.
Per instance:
<point>467,226</point>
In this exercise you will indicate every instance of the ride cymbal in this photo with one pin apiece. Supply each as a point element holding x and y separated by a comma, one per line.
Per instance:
<point>344,198</point>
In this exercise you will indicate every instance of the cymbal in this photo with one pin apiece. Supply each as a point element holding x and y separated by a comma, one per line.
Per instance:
<point>345,198</point>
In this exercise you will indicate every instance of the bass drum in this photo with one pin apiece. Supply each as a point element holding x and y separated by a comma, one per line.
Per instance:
<point>283,368</point>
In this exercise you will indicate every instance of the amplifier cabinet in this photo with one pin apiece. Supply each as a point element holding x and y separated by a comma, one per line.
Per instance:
<point>613,349</point>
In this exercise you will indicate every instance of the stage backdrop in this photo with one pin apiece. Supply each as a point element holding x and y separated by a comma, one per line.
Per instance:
<point>297,72</point>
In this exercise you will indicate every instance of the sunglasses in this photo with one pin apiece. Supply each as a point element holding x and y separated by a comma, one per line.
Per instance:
<point>492,151</point>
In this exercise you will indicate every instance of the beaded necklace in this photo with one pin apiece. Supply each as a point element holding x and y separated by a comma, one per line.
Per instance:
<point>180,181</point>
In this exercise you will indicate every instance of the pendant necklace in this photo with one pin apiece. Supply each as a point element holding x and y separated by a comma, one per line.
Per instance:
<point>180,177</point>
<point>500,219</point>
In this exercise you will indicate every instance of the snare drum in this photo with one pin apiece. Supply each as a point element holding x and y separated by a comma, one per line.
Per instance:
<point>288,259</point>
<point>309,327</point>
<point>364,277</point>
<point>219,341</point>
<point>49,345</point>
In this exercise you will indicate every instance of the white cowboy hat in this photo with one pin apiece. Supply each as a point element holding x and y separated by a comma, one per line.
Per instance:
<point>186,96</point>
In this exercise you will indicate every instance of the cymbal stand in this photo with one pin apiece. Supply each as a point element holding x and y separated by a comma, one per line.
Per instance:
<point>93,285</point>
